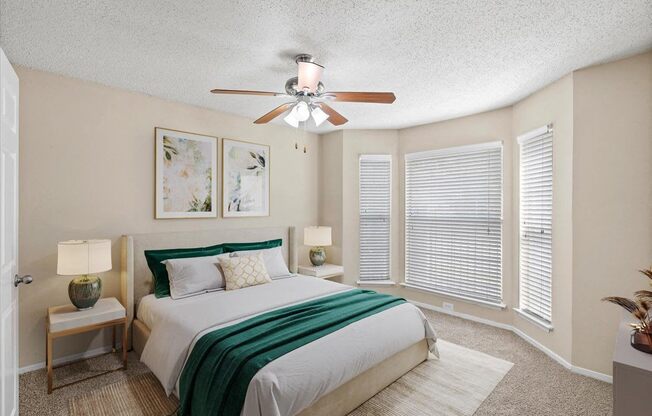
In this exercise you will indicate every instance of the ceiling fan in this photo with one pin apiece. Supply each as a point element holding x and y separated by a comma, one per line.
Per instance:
<point>310,97</point>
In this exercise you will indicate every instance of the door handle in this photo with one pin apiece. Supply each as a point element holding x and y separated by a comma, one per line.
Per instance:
<point>27,279</point>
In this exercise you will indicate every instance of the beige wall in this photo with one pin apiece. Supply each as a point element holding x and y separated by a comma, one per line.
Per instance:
<point>612,199</point>
<point>552,104</point>
<point>87,171</point>
<point>330,191</point>
<point>479,128</point>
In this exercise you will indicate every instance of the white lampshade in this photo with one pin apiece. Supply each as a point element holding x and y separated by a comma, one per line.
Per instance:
<point>302,111</point>
<point>309,76</point>
<point>77,257</point>
<point>291,118</point>
<point>317,236</point>
<point>319,116</point>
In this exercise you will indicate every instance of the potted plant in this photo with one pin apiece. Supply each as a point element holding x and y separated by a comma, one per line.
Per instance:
<point>641,308</point>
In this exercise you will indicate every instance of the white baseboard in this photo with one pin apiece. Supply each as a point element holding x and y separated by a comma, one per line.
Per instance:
<point>536,344</point>
<point>461,315</point>
<point>559,359</point>
<point>69,358</point>
<point>593,374</point>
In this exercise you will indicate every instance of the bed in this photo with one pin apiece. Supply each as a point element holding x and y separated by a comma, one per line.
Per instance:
<point>329,376</point>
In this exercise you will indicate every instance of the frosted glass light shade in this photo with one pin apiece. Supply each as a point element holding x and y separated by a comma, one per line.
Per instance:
<point>80,257</point>
<point>302,112</point>
<point>317,236</point>
<point>291,118</point>
<point>309,76</point>
<point>319,116</point>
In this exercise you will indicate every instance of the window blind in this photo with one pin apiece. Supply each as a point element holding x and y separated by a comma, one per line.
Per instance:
<point>453,208</point>
<point>375,209</point>
<point>535,250</point>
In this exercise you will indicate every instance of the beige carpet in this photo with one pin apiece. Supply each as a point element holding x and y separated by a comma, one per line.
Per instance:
<point>454,385</point>
<point>142,395</point>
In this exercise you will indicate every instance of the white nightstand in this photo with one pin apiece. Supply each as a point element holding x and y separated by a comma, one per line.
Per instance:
<point>325,271</point>
<point>67,320</point>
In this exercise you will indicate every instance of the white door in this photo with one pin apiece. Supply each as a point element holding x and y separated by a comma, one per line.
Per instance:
<point>8,238</point>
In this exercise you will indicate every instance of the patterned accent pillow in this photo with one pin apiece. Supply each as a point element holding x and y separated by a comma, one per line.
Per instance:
<point>244,271</point>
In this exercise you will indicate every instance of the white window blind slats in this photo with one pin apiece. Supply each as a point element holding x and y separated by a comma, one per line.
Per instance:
<point>453,236</point>
<point>375,208</point>
<point>535,251</point>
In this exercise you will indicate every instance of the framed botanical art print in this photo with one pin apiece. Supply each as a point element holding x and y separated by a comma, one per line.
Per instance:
<point>186,174</point>
<point>245,178</point>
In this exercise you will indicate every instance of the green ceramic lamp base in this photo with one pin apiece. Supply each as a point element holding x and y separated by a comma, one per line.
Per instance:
<point>317,256</point>
<point>84,291</point>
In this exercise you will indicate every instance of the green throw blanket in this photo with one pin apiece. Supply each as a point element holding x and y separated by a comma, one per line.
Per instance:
<point>216,376</point>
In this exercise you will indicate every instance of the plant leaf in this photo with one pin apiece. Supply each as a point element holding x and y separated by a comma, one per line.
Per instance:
<point>643,294</point>
<point>628,304</point>
<point>646,304</point>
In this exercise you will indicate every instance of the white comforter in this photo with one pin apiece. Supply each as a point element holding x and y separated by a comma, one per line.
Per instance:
<point>296,380</point>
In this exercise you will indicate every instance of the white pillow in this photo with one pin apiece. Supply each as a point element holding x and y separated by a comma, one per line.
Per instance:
<point>194,275</point>
<point>273,259</point>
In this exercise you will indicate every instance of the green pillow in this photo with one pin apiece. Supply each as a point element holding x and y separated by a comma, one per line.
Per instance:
<point>231,247</point>
<point>160,273</point>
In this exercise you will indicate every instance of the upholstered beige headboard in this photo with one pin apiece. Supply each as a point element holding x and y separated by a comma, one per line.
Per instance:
<point>136,278</point>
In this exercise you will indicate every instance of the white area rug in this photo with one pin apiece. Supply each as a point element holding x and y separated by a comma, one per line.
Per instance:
<point>456,384</point>
<point>453,385</point>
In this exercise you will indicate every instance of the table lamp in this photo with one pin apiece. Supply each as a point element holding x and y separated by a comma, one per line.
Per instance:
<point>317,237</point>
<point>84,258</point>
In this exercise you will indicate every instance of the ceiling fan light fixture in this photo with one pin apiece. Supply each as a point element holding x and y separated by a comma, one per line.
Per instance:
<point>291,118</point>
<point>302,111</point>
<point>309,97</point>
<point>319,116</point>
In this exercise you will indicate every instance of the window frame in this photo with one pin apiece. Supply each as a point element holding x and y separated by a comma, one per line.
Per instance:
<point>543,322</point>
<point>469,149</point>
<point>388,279</point>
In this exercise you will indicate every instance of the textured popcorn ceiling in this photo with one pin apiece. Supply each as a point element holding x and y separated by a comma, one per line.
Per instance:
<point>443,59</point>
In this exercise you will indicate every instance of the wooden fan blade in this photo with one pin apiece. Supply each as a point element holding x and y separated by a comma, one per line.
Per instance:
<point>363,97</point>
<point>334,117</point>
<point>246,92</point>
<point>274,113</point>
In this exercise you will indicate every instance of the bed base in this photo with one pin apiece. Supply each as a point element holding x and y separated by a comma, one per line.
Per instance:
<point>139,336</point>
<point>136,282</point>
<point>349,395</point>
<point>358,390</point>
